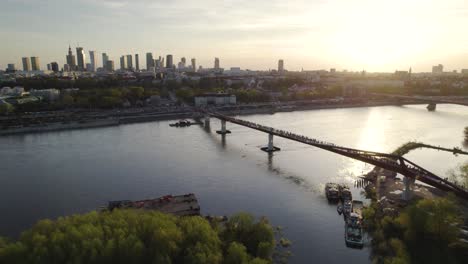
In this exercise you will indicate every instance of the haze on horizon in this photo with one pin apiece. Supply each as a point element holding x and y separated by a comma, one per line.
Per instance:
<point>374,35</point>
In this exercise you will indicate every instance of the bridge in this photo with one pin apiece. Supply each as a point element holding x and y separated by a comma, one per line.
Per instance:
<point>399,164</point>
<point>426,99</point>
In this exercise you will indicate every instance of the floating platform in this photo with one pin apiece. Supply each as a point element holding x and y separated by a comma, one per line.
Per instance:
<point>270,150</point>
<point>180,205</point>
<point>223,132</point>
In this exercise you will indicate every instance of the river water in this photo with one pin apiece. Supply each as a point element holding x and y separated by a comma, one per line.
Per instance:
<point>60,173</point>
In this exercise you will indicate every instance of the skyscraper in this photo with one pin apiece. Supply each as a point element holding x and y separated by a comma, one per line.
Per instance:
<point>280,66</point>
<point>123,62</point>
<point>35,64</point>
<point>169,62</point>
<point>71,59</point>
<point>184,60</point>
<point>109,65</point>
<point>92,60</point>
<point>11,67</point>
<point>80,58</point>
<point>194,64</point>
<point>26,64</point>
<point>149,60</point>
<point>105,58</point>
<point>54,66</point>
<point>216,64</point>
<point>129,62</point>
<point>137,62</point>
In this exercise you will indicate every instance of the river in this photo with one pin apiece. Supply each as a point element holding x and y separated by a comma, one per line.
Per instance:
<point>60,173</point>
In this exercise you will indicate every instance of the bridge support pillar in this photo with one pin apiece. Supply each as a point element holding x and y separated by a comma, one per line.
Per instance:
<point>408,191</point>
<point>223,130</point>
<point>270,148</point>
<point>431,107</point>
<point>207,120</point>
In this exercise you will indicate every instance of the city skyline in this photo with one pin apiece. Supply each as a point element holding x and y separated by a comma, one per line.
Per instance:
<point>370,35</point>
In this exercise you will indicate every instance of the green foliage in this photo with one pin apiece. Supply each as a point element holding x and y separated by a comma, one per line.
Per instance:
<point>6,108</point>
<point>137,236</point>
<point>424,232</point>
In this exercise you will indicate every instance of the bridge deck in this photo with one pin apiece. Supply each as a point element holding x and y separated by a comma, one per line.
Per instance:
<point>383,160</point>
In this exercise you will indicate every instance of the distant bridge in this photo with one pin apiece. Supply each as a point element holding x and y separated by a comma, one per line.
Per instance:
<point>425,99</point>
<point>395,163</point>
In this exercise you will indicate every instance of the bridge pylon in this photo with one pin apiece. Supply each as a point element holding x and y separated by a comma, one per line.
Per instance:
<point>408,191</point>
<point>223,130</point>
<point>270,148</point>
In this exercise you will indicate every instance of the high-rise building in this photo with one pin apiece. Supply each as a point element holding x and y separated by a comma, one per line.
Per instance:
<point>92,60</point>
<point>71,61</point>
<point>149,60</point>
<point>129,62</point>
<point>26,64</point>
<point>49,67</point>
<point>35,64</point>
<point>280,66</point>
<point>123,62</point>
<point>216,64</point>
<point>194,64</point>
<point>11,67</point>
<point>80,58</point>
<point>105,58</point>
<point>54,66</point>
<point>66,68</point>
<point>109,65</point>
<point>184,60</point>
<point>169,62</point>
<point>137,62</point>
<point>438,69</point>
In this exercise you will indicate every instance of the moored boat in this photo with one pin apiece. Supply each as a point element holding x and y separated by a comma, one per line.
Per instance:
<point>353,231</point>
<point>332,191</point>
<point>345,193</point>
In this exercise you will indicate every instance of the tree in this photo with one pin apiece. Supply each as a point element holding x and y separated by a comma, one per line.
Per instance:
<point>6,108</point>
<point>127,236</point>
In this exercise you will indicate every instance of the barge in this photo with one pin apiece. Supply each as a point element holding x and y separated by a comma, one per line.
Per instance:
<point>179,205</point>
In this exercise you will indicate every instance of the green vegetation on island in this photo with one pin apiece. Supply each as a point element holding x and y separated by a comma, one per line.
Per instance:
<point>136,236</point>
<point>427,231</point>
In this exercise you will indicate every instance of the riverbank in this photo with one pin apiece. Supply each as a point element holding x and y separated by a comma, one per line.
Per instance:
<point>113,119</point>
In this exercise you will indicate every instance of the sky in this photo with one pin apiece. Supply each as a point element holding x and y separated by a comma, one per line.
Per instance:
<point>371,35</point>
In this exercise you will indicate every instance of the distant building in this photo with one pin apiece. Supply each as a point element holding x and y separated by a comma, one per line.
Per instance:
<point>149,60</point>
<point>137,62</point>
<point>281,66</point>
<point>332,70</point>
<point>66,68</point>
<point>464,71</point>
<point>26,64</point>
<point>109,65</point>
<point>215,99</point>
<point>35,64</point>
<point>89,67</point>
<point>438,69</point>
<point>54,66</point>
<point>194,64</point>
<point>80,57</point>
<point>105,58</point>
<point>47,94</point>
<point>216,64</point>
<point>11,67</point>
<point>49,67</point>
<point>129,62</point>
<point>184,61</point>
<point>71,61</point>
<point>123,62</point>
<point>92,60</point>
<point>169,61</point>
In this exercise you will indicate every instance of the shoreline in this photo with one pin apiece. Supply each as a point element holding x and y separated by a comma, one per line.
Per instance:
<point>152,117</point>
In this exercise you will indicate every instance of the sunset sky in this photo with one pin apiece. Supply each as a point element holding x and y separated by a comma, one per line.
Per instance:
<point>373,35</point>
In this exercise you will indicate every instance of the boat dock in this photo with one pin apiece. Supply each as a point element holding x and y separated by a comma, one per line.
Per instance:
<point>180,205</point>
